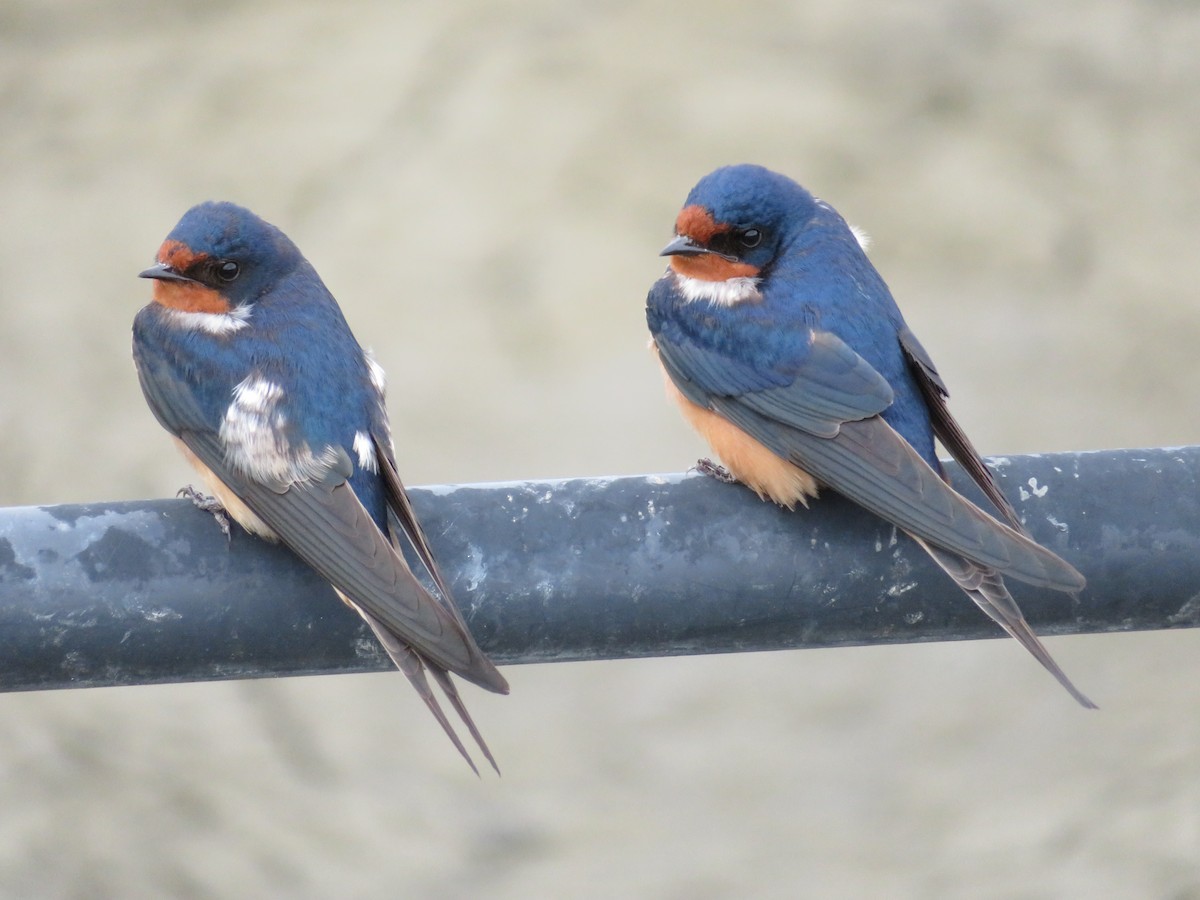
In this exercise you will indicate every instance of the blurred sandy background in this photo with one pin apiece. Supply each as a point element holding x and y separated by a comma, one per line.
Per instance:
<point>485,188</point>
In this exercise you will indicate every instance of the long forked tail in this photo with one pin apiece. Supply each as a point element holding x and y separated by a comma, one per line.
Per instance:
<point>413,667</point>
<point>986,587</point>
<point>442,677</point>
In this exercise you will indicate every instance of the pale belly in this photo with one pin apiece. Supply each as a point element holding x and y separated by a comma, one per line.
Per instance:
<point>768,475</point>
<point>233,504</point>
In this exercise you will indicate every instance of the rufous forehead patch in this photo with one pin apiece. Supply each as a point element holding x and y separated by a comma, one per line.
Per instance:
<point>697,223</point>
<point>179,256</point>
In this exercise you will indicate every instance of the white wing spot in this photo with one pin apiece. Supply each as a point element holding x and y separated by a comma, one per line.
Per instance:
<point>255,439</point>
<point>252,430</point>
<point>378,376</point>
<point>378,381</point>
<point>364,447</point>
<point>255,395</point>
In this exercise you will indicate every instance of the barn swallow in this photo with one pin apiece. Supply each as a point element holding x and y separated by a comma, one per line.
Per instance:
<point>245,358</point>
<point>785,350</point>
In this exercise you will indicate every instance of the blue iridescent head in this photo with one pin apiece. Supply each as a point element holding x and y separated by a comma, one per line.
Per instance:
<point>733,222</point>
<point>218,257</point>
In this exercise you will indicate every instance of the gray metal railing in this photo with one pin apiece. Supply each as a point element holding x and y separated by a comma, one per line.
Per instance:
<point>586,568</point>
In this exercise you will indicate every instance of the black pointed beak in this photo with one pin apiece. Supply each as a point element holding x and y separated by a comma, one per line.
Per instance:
<point>682,245</point>
<point>164,272</point>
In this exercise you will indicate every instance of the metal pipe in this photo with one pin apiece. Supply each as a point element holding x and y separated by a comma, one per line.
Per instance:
<point>586,568</point>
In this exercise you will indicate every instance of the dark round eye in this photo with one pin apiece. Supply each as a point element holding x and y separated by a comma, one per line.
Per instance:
<point>228,270</point>
<point>750,238</point>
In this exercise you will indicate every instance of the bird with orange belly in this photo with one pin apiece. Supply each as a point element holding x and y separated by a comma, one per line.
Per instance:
<point>786,352</point>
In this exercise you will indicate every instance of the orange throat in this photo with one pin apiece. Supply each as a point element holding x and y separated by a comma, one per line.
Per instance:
<point>711,267</point>
<point>188,297</point>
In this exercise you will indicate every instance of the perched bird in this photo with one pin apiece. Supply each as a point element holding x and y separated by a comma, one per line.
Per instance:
<point>786,352</point>
<point>244,356</point>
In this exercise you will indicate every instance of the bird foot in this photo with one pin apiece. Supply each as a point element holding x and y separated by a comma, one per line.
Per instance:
<point>209,505</point>
<point>707,467</point>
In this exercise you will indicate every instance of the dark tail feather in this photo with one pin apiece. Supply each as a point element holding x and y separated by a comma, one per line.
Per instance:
<point>986,587</point>
<point>442,677</point>
<point>408,662</point>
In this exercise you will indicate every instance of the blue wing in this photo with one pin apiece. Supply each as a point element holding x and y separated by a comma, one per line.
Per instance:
<point>947,429</point>
<point>812,400</point>
<point>323,520</point>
